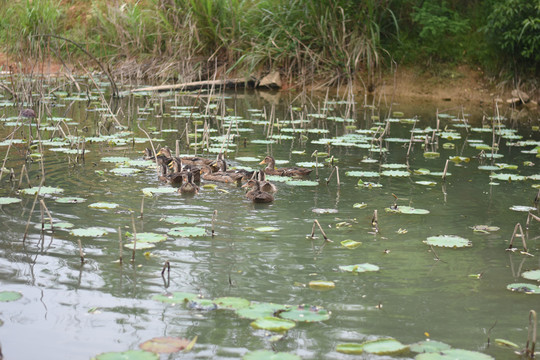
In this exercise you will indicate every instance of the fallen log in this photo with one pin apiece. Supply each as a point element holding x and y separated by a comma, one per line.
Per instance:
<point>197,85</point>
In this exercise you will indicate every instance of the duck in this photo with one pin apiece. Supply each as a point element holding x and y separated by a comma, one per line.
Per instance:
<point>256,194</point>
<point>148,154</point>
<point>222,167</point>
<point>178,168</point>
<point>164,156</point>
<point>186,160</point>
<point>218,176</point>
<point>188,187</point>
<point>293,171</point>
<point>265,185</point>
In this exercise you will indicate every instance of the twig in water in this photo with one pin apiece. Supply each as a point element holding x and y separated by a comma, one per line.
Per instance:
<point>337,175</point>
<point>316,154</point>
<point>375,221</point>
<point>134,238</point>
<point>489,333</point>
<point>142,207</point>
<point>529,217</point>
<point>330,176</point>
<point>81,254</point>
<point>514,235</point>
<point>445,170</point>
<point>531,335</point>
<point>166,266</point>
<point>120,245</point>
<point>316,222</point>
<point>214,216</point>
<point>42,203</point>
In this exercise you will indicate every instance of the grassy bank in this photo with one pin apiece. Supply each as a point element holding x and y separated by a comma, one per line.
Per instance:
<point>306,40</point>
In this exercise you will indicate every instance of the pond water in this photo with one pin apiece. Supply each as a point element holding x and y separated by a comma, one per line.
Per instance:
<point>75,310</point>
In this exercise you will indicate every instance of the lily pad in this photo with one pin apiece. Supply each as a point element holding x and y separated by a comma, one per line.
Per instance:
<point>508,177</point>
<point>352,348</point>
<point>408,210</point>
<point>351,244</point>
<point>70,200</point>
<point>269,355</point>
<point>259,310</point>
<point>426,183</point>
<point>271,323</point>
<point>149,237</point>
<point>127,355</point>
<point>232,303</point>
<point>358,268</point>
<point>453,354</point>
<point>125,171</point>
<point>6,296</point>
<point>428,346</point>
<point>306,313</point>
<point>321,285</point>
<point>103,205</point>
<point>267,229</point>
<point>362,173</point>
<point>175,297</point>
<point>45,190</point>
<point>485,228</point>
<point>149,191</point>
<point>302,183</point>
<point>395,173</point>
<point>325,211</point>
<point>385,347</point>
<point>506,344</point>
<point>187,231</point>
<point>115,159</point>
<point>89,232</point>
<point>524,288</point>
<point>431,155</point>
<point>360,205</point>
<point>451,241</point>
<point>522,208</point>
<point>167,344</point>
<point>9,200</point>
<point>59,225</point>
<point>181,220</point>
<point>531,275</point>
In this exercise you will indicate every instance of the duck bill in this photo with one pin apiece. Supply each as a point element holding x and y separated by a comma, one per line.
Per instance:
<point>262,162</point>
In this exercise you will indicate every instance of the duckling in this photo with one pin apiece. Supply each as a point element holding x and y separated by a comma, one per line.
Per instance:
<point>256,195</point>
<point>188,187</point>
<point>208,175</point>
<point>266,186</point>
<point>293,171</point>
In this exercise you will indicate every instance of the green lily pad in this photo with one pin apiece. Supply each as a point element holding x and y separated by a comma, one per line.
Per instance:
<point>187,231</point>
<point>522,208</point>
<point>175,297</point>
<point>507,177</point>
<point>422,171</point>
<point>139,246</point>
<point>89,232</point>
<point>351,244</point>
<point>322,285</point>
<point>6,296</point>
<point>408,210</point>
<point>103,205</point>
<point>269,355</point>
<point>431,155</point>
<point>325,211</point>
<point>306,313</point>
<point>489,168</point>
<point>385,347</point>
<point>396,173</point>
<point>45,190</point>
<point>127,355</point>
<point>506,344</point>
<point>140,163</point>
<point>358,268</point>
<point>531,275</point>
<point>351,348</point>
<point>453,354</point>
<point>267,229</point>
<point>202,305</point>
<point>181,220</point>
<point>271,323</point>
<point>247,159</point>
<point>485,228</point>
<point>149,237</point>
<point>426,183</point>
<point>9,200</point>
<point>209,186</point>
<point>451,241</point>
<point>70,200</point>
<point>124,171</point>
<point>524,288</point>
<point>302,183</point>
<point>360,205</point>
<point>59,225</point>
<point>115,159</point>
<point>362,173</point>
<point>232,303</point>
<point>259,310</point>
<point>166,345</point>
<point>150,191</point>
<point>428,346</point>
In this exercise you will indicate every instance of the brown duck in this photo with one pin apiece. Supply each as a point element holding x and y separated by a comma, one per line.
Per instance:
<point>188,187</point>
<point>256,194</point>
<point>292,171</point>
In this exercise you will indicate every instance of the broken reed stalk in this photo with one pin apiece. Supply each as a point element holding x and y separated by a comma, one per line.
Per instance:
<point>330,176</point>
<point>214,216</point>
<point>43,206</point>
<point>167,266</point>
<point>529,217</point>
<point>81,254</point>
<point>375,221</point>
<point>316,154</point>
<point>134,238</point>
<point>514,235</point>
<point>120,245</point>
<point>7,152</point>
<point>177,148</point>
<point>531,335</point>
<point>337,175</point>
<point>316,222</point>
<point>152,145</point>
<point>31,211</point>
<point>142,207</point>
<point>445,170</point>
<point>42,217</point>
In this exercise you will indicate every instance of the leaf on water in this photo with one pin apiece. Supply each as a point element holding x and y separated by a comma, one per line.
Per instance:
<point>127,355</point>
<point>175,297</point>
<point>267,229</point>
<point>451,241</point>
<point>507,177</point>
<point>395,173</point>
<point>385,347</point>
<point>6,296</point>
<point>506,343</point>
<point>149,191</point>
<point>524,288</point>
<point>394,166</point>
<point>259,310</point>
<point>431,155</point>
<point>359,268</point>
<point>321,285</point>
<point>407,210</point>
<point>458,159</point>
<point>89,232</point>
<point>187,231</point>
<point>271,323</point>
<point>232,303</point>
<point>270,355</point>
<point>428,346</point>
<point>426,183</point>
<point>59,225</point>
<point>453,354</point>
<point>125,171</point>
<point>209,186</point>
<point>531,275</point>
<point>522,208</point>
<point>45,190</point>
<point>180,220</point>
<point>305,313</point>
<point>362,173</point>
<point>140,163</point>
<point>103,205</point>
<point>302,183</point>
<point>325,211</point>
<point>351,348</point>
<point>70,200</point>
<point>489,168</point>
<point>115,159</point>
<point>360,205</point>
<point>351,244</point>
<point>9,200</point>
<point>166,345</point>
<point>485,228</point>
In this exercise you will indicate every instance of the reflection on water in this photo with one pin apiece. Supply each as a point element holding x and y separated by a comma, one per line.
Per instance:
<point>76,311</point>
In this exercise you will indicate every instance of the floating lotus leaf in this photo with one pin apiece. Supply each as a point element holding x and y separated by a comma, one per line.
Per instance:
<point>325,211</point>
<point>178,220</point>
<point>439,173</point>
<point>351,244</point>
<point>394,166</point>
<point>140,163</point>
<point>531,275</point>
<point>267,229</point>
<point>209,186</point>
<point>70,200</point>
<point>395,173</point>
<point>167,345</point>
<point>358,268</point>
<point>103,205</point>
<point>489,167</point>
<point>507,177</point>
<point>187,231</point>
<point>451,241</point>
<point>6,296</point>
<point>261,141</point>
<point>127,355</point>
<point>453,354</point>
<point>321,285</point>
<point>522,208</point>
<point>45,190</point>
<point>362,173</point>
<point>175,297</point>
<point>428,346</point>
<point>506,166</point>
<point>485,228</point>
<point>259,310</point>
<point>360,205</point>
<point>355,349</point>
<point>408,210</point>
<point>422,171</point>
<point>59,225</point>
<point>149,191</point>
<point>269,355</point>
<point>9,200</point>
<point>124,171</point>
<point>431,154</point>
<point>139,246</point>
<point>426,183</point>
<point>385,347</point>
<point>89,232</point>
<point>149,237</point>
<point>271,323</point>
<point>370,161</point>
<point>534,177</point>
<point>306,313</point>
<point>506,344</point>
<point>524,288</point>
<point>115,159</point>
<point>302,183</point>
<point>232,303</point>
<point>458,159</point>
<point>448,146</point>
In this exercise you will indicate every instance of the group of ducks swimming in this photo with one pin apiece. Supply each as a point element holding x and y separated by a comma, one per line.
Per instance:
<point>186,172</point>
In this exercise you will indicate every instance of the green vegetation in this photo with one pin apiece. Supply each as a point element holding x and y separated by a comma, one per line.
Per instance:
<point>335,40</point>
